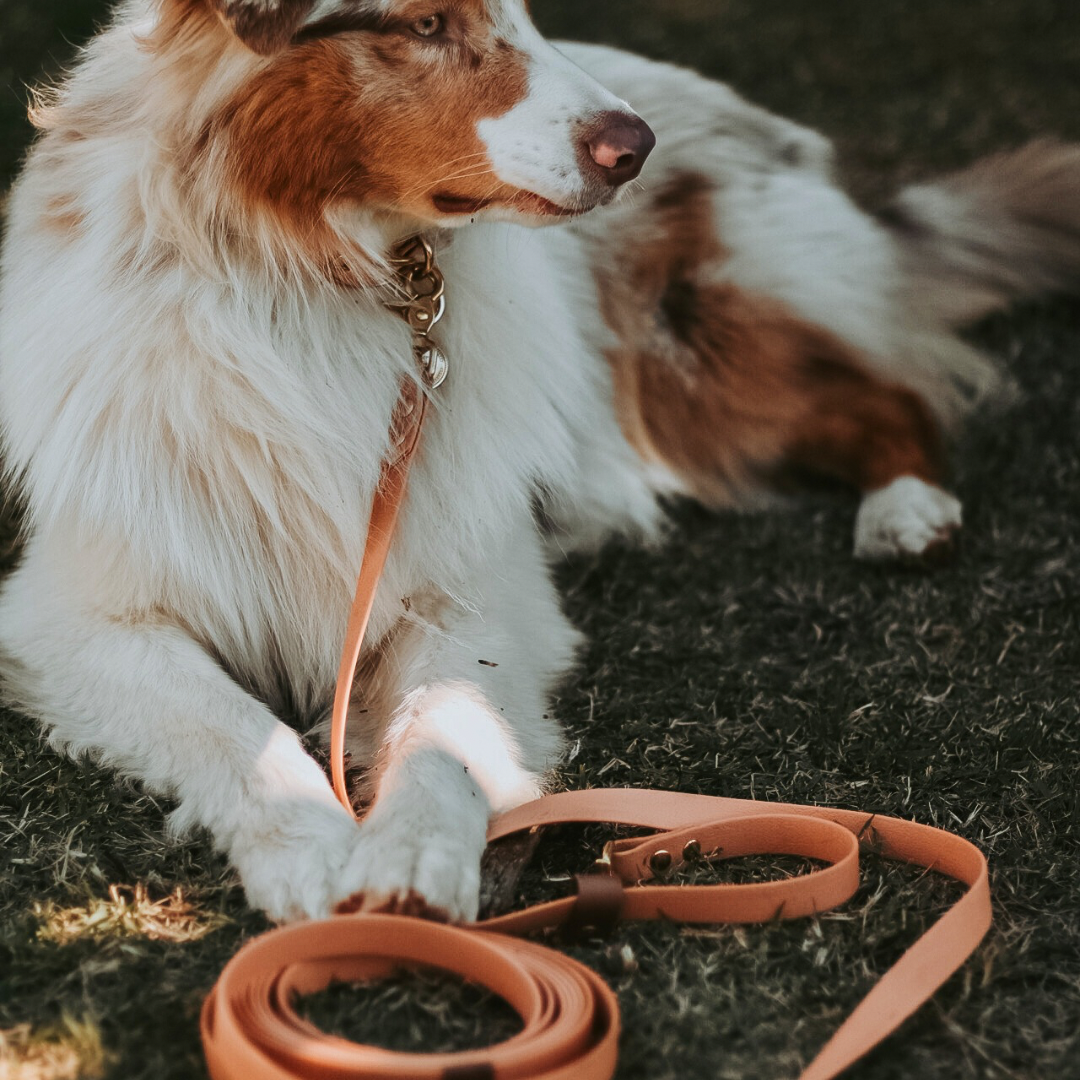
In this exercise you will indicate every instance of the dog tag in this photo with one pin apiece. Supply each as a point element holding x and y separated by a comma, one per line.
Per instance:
<point>434,365</point>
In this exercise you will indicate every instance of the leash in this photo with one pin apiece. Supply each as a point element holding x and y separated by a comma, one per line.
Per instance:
<point>570,1018</point>
<point>422,305</point>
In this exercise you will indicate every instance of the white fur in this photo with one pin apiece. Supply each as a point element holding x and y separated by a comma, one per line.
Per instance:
<point>533,146</point>
<point>904,520</point>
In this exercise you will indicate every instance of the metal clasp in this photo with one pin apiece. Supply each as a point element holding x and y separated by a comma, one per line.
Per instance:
<point>423,286</point>
<point>604,862</point>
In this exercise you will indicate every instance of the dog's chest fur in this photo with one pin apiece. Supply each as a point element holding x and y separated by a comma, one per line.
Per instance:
<point>247,510</point>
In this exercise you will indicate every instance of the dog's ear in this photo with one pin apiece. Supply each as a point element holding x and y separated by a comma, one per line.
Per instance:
<point>265,26</point>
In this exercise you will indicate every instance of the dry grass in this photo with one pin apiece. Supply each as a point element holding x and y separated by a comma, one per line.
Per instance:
<point>126,912</point>
<point>69,1050</point>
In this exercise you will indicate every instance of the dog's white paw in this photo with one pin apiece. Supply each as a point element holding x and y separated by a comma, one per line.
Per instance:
<point>409,858</point>
<point>291,861</point>
<point>414,863</point>
<point>906,519</point>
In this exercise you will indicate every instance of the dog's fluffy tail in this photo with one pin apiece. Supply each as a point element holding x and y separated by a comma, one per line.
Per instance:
<point>1004,229</point>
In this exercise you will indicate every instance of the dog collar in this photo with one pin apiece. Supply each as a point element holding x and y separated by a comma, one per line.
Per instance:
<point>421,304</point>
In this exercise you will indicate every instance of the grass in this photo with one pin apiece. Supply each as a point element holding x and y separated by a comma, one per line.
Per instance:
<point>68,1050</point>
<point>751,658</point>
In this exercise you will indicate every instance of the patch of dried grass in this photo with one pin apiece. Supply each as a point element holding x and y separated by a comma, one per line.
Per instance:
<point>69,1050</point>
<point>127,912</point>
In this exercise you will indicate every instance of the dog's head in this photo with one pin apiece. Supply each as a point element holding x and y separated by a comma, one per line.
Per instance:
<point>440,111</point>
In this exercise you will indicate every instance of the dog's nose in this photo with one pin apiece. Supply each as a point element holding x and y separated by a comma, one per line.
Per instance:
<point>618,145</point>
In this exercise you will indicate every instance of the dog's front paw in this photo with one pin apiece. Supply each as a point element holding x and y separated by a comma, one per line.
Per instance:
<point>291,861</point>
<point>908,519</point>
<point>412,862</point>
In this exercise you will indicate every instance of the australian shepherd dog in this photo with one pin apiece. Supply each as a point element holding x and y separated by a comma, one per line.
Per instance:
<point>198,370</point>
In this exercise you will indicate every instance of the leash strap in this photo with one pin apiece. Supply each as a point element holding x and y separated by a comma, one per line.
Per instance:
<point>570,1025</point>
<point>389,495</point>
<point>570,1019</point>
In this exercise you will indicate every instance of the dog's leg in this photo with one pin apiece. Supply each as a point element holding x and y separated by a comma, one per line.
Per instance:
<point>880,438</point>
<point>468,734</point>
<point>739,392</point>
<point>907,519</point>
<point>144,697</point>
<point>724,389</point>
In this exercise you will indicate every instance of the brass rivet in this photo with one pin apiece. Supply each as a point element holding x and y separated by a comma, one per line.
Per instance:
<point>692,851</point>
<point>660,861</point>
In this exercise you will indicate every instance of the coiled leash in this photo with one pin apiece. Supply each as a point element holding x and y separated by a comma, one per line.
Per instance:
<point>570,1019</point>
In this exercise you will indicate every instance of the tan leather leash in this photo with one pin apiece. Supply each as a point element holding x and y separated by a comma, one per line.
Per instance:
<point>422,306</point>
<point>570,1024</point>
<point>390,494</point>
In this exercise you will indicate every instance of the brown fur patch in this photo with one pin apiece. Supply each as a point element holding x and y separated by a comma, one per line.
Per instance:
<point>729,388</point>
<point>265,26</point>
<point>63,217</point>
<point>382,119</point>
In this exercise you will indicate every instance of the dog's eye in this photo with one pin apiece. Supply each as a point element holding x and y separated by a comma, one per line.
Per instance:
<point>429,26</point>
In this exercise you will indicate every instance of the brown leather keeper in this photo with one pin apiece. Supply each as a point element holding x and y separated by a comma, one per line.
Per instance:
<point>470,1072</point>
<point>597,907</point>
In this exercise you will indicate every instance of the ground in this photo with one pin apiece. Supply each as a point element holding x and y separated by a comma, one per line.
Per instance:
<point>752,657</point>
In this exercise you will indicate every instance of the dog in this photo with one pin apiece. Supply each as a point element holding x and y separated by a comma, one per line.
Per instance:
<point>198,371</point>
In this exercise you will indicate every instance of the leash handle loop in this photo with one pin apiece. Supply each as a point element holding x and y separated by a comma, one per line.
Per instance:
<point>569,1016</point>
